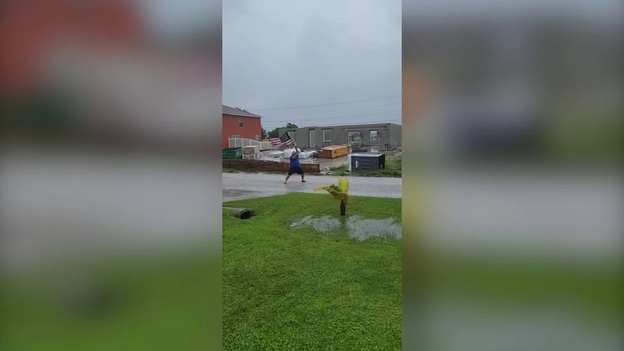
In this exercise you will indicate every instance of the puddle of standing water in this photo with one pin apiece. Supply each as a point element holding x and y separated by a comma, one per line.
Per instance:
<point>354,226</point>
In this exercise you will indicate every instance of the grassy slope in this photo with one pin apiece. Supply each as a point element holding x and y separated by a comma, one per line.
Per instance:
<point>289,288</point>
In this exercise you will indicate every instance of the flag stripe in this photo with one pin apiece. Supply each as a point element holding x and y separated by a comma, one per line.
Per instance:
<point>276,142</point>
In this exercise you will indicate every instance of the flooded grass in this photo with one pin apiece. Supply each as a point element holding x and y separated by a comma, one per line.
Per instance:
<point>353,226</point>
<point>287,286</point>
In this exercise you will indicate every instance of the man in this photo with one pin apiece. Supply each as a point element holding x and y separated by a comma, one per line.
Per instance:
<point>295,166</point>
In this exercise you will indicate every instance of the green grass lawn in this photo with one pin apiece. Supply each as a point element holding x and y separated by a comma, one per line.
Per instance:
<point>292,288</point>
<point>170,303</point>
<point>594,290</point>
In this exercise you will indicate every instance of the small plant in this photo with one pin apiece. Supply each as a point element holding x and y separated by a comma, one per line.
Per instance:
<point>340,192</point>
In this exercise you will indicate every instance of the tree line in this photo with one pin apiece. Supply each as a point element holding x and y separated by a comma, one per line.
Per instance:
<point>275,132</point>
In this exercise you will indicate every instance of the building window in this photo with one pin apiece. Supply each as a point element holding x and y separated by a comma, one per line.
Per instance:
<point>327,135</point>
<point>353,136</point>
<point>236,137</point>
<point>257,137</point>
<point>374,136</point>
<point>240,121</point>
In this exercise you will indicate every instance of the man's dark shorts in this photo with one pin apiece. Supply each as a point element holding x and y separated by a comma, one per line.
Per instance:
<point>296,169</point>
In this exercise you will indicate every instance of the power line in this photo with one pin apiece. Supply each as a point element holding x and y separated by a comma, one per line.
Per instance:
<point>330,104</point>
<point>334,117</point>
<point>346,109</point>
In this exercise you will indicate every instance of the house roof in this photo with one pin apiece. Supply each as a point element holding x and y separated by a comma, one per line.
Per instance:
<point>227,110</point>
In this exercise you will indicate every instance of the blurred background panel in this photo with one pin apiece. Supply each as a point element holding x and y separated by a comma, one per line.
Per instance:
<point>514,75</point>
<point>110,186</point>
<point>513,193</point>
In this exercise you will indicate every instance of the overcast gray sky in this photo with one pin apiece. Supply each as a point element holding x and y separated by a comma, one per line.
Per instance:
<point>280,54</point>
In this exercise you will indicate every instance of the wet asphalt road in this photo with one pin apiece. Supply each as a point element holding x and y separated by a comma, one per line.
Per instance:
<point>237,186</point>
<point>531,211</point>
<point>59,202</point>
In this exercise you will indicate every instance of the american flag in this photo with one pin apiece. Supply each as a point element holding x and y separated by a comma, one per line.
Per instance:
<point>282,141</point>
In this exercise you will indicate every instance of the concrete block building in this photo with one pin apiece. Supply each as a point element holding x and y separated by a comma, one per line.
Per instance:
<point>379,134</point>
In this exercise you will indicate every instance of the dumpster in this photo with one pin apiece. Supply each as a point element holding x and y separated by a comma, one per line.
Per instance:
<point>366,162</point>
<point>232,153</point>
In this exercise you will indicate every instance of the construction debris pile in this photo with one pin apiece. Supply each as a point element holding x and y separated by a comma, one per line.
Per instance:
<point>326,157</point>
<point>283,156</point>
<point>251,152</point>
